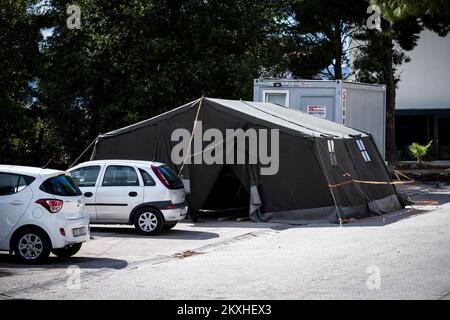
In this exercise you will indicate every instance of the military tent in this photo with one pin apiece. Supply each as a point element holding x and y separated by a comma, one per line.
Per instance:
<point>326,172</point>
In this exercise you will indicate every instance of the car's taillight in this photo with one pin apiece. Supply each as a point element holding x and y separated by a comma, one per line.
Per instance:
<point>170,205</point>
<point>52,205</point>
<point>160,176</point>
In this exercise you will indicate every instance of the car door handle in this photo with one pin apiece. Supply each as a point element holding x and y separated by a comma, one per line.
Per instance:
<point>17,202</point>
<point>88,194</point>
<point>132,194</point>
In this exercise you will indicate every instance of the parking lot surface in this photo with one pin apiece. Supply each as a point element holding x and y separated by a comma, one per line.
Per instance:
<point>402,255</point>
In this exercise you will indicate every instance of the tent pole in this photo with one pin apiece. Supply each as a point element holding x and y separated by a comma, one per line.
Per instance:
<point>329,186</point>
<point>192,134</point>
<point>82,154</point>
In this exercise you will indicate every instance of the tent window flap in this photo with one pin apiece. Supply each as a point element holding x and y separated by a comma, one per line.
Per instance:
<point>363,150</point>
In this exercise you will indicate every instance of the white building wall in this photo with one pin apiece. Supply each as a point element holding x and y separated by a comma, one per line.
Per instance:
<point>425,81</point>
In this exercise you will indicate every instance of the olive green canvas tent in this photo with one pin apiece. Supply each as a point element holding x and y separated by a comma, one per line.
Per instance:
<point>322,166</point>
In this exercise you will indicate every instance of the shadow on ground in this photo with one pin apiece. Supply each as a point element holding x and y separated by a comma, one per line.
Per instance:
<point>440,198</point>
<point>419,192</point>
<point>373,221</point>
<point>387,219</point>
<point>10,262</point>
<point>127,232</point>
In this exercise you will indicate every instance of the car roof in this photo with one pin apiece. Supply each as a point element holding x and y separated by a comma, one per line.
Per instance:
<point>32,171</point>
<point>117,161</point>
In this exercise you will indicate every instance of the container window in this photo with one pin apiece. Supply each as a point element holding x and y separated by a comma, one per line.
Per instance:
<point>279,98</point>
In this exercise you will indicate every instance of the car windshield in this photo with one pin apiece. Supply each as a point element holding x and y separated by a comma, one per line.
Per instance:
<point>61,185</point>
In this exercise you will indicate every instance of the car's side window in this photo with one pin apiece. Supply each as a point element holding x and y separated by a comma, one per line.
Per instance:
<point>120,176</point>
<point>21,184</point>
<point>86,176</point>
<point>13,183</point>
<point>146,177</point>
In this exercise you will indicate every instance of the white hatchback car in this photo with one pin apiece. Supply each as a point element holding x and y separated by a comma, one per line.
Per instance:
<point>41,211</point>
<point>147,194</point>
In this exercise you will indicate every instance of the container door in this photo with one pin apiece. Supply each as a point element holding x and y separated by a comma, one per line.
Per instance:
<point>321,107</point>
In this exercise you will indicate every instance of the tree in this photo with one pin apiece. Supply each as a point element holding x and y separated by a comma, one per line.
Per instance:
<point>419,151</point>
<point>377,60</point>
<point>135,59</point>
<point>319,33</point>
<point>19,62</point>
<point>397,10</point>
<point>382,52</point>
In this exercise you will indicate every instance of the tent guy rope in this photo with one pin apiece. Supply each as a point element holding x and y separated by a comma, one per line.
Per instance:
<point>192,134</point>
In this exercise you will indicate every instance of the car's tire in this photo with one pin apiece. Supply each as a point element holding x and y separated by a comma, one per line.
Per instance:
<point>148,221</point>
<point>31,246</point>
<point>169,226</point>
<point>67,251</point>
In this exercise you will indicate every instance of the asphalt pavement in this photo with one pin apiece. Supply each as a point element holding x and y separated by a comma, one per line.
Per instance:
<point>403,255</point>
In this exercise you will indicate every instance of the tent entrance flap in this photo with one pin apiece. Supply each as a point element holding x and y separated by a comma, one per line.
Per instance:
<point>227,195</point>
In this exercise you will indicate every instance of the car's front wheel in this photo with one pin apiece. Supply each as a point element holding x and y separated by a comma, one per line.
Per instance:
<point>67,251</point>
<point>148,221</point>
<point>31,246</point>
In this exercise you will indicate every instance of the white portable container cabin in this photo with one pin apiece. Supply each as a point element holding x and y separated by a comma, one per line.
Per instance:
<point>357,105</point>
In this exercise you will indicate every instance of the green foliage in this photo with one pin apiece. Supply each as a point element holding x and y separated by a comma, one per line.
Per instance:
<point>435,14</point>
<point>135,59</point>
<point>318,35</point>
<point>419,151</point>
<point>370,60</point>
<point>381,53</point>
<point>19,62</point>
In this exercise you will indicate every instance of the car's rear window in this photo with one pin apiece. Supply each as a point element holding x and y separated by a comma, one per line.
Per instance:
<point>171,177</point>
<point>60,186</point>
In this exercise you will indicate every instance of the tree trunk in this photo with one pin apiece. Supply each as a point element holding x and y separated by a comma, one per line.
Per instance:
<point>338,68</point>
<point>37,148</point>
<point>391,147</point>
<point>339,49</point>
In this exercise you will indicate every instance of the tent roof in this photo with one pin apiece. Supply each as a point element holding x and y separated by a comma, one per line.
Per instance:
<point>305,124</point>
